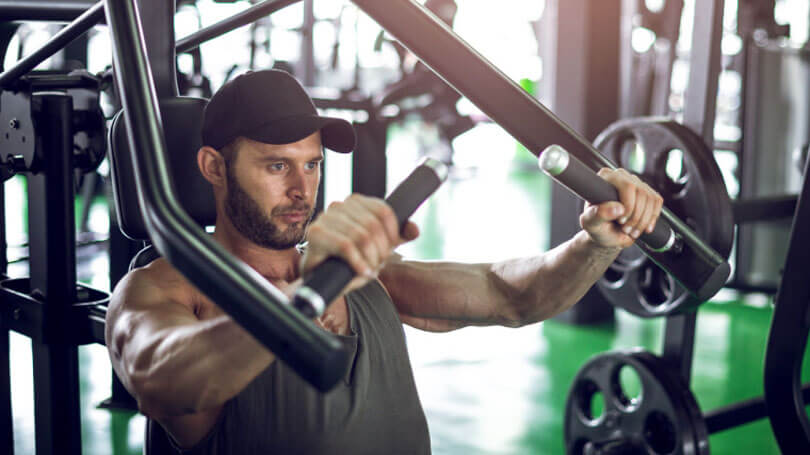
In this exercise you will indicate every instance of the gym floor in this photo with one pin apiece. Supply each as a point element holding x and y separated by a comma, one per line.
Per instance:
<point>484,390</point>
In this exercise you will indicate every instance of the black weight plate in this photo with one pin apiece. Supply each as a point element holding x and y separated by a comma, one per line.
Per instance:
<point>676,163</point>
<point>663,419</point>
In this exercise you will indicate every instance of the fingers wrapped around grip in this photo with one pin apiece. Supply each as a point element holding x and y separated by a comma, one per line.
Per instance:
<point>361,230</point>
<point>642,205</point>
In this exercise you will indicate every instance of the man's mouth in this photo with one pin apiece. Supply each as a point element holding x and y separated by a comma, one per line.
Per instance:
<point>294,216</point>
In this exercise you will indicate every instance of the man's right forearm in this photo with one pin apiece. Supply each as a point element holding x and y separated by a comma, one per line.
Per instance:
<point>194,368</point>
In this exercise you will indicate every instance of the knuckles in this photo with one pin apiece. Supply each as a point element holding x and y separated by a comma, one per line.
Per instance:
<point>345,247</point>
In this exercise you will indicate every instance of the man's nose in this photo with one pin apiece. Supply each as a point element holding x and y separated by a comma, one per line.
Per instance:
<point>297,184</point>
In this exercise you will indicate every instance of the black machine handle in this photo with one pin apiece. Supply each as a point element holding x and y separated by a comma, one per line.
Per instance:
<point>573,174</point>
<point>327,279</point>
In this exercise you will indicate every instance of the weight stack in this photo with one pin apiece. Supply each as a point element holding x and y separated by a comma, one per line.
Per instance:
<point>776,128</point>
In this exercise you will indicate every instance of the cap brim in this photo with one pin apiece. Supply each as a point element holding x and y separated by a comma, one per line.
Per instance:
<point>336,134</point>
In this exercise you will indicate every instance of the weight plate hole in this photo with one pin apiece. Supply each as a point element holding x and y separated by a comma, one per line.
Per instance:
<point>659,432</point>
<point>590,401</point>
<point>613,276</point>
<point>627,388</point>
<point>676,175</point>
<point>656,290</point>
<point>675,167</point>
<point>633,157</point>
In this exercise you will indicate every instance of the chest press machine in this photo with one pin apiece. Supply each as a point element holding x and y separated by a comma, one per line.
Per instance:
<point>151,107</point>
<point>58,314</point>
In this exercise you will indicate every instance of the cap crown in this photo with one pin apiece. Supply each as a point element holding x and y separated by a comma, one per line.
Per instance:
<point>252,101</point>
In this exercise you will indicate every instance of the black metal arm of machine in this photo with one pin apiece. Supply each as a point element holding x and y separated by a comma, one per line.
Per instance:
<point>697,266</point>
<point>585,183</point>
<point>260,308</point>
<point>43,10</point>
<point>570,172</point>
<point>224,26</point>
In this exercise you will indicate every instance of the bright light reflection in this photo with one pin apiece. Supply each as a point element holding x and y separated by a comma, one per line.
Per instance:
<point>642,39</point>
<point>100,50</point>
<point>712,345</point>
<point>503,35</point>
<point>22,392</point>
<point>461,409</point>
<point>16,200</point>
<point>96,384</point>
<point>732,44</point>
<point>100,279</point>
<point>338,180</point>
<point>135,433</point>
<point>99,218</point>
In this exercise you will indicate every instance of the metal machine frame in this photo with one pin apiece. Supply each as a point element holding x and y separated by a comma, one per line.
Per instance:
<point>261,308</point>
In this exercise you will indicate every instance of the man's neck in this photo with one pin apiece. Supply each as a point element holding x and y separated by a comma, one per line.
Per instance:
<point>278,266</point>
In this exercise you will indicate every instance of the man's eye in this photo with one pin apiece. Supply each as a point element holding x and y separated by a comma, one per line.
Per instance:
<point>312,165</point>
<point>277,167</point>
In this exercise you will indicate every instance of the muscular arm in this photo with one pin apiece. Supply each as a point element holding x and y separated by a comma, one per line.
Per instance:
<point>174,363</point>
<point>442,296</point>
<point>445,296</point>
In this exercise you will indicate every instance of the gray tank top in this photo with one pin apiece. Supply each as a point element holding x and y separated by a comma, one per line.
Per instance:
<point>374,410</point>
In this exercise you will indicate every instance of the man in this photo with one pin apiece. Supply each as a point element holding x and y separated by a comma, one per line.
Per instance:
<point>215,389</point>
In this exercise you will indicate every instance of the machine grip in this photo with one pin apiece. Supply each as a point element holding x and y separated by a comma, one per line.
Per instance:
<point>570,172</point>
<point>330,277</point>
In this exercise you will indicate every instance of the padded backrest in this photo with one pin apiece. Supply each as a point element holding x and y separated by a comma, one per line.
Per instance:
<point>144,257</point>
<point>182,121</point>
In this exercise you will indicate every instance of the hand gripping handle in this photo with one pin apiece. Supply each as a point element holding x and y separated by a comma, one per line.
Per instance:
<point>330,277</point>
<point>570,172</point>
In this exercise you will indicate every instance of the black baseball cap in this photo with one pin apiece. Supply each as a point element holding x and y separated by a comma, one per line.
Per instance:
<point>270,106</point>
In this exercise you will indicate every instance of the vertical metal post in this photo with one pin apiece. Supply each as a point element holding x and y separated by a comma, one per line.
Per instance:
<point>52,240</point>
<point>705,62</point>
<point>6,418</point>
<point>369,163</point>
<point>646,77</point>
<point>580,44</point>
<point>307,62</point>
<point>759,68</point>
<point>627,105</point>
<point>7,31</point>
<point>787,339</point>
<point>699,115</point>
<point>3,238</point>
<point>157,19</point>
<point>679,342</point>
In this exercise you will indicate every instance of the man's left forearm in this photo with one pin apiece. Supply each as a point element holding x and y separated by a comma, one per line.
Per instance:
<point>550,284</point>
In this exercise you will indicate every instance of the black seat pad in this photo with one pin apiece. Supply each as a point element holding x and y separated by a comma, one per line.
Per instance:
<point>182,119</point>
<point>144,257</point>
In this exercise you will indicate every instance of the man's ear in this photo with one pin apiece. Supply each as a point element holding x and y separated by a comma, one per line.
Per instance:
<point>212,165</point>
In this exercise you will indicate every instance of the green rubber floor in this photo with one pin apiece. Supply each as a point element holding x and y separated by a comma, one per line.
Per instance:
<point>485,390</point>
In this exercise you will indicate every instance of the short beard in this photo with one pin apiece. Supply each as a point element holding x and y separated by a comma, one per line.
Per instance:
<point>250,220</point>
